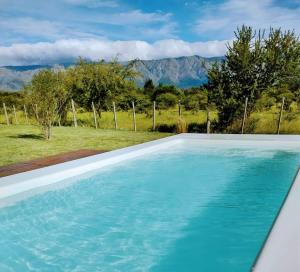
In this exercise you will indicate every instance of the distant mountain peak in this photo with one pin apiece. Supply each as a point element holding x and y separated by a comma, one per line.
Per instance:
<point>182,71</point>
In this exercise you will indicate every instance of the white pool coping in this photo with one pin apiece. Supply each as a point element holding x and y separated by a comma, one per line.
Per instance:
<point>281,251</point>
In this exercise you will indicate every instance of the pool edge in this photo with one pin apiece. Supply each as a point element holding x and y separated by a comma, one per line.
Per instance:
<point>281,247</point>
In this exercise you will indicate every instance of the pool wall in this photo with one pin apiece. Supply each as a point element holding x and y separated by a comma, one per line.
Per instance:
<point>281,251</point>
<point>31,180</point>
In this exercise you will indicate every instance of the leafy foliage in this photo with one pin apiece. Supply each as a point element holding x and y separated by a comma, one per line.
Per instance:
<point>166,100</point>
<point>195,99</point>
<point>10,99</point>
<point>254,65</point>
<point>149,87</point>
<point>100,83</point>
<point>46,95</point>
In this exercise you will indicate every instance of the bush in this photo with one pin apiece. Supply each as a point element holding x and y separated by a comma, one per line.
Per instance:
<point>197,128</point>
<point>181,126</point>
<point>167,100</point>
<point>195,101</point>
<point>164,89</point>
<point>142,102</point>
<point>166,128</point>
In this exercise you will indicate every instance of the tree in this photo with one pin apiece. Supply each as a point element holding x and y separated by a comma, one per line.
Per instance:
<point>149,87</point>
<point>142,102</point>
<point>166,100</point>
<point>12,98</point>
<point>100,82</point>
<point>282,57</point>
<point>46,94</point>
<point>163,89</point>
<point>253,64</point>
<point>195,99</point>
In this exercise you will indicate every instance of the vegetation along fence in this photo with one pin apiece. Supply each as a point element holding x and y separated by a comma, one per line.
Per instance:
<point>275,120</point>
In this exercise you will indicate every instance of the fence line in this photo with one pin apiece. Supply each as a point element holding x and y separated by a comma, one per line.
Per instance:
<point>208,121</point>
<point>115,115</point>
<point>154,117</point>
<point>74,113</point>
<point>95,116</point>
<point>36,112</point>
<point>15,115</point>
<point>280,115</point>
<point>245,114</point>
<point>179,108</point>
<point>134,119</point>
<point>161,120</point>
<point>25,113</point>
<point>5,113</point>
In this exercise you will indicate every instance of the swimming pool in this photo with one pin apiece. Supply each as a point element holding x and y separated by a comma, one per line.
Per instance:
<point>192,205</point>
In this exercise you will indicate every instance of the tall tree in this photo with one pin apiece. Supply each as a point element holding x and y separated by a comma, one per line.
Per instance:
<point>149,87</point>
<point>46,95</point>
<point>253,65</point>
<point>100,82</point>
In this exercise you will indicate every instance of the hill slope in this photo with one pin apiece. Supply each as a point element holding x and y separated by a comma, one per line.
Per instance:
<point>183,72</point>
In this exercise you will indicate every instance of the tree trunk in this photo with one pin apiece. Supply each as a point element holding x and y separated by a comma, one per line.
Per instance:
<point>48,132</point>
<point>99,111</point>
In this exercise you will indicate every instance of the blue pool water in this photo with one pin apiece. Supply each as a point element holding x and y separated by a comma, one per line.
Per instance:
<point>193,208</point>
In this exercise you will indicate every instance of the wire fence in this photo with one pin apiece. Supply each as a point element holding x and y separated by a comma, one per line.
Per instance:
<point>272,121</point>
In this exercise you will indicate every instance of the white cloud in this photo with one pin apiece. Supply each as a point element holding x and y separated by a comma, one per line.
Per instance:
<point>41,28</point>
<point>223,19</point>
<point>132,24</point>
<point>95,49</point>
<point>94,3</point>
<point>133,17</point>
<point>166,31</point>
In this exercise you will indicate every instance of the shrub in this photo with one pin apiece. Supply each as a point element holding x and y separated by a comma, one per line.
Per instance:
<point>166,128</point>
<point>181,126</point>
<point>197,128</point>
<point>167,100</point>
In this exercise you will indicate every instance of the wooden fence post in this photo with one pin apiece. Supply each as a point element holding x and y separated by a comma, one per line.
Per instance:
<point>95,116</point>
<point>5,113</point>
<point>36,112</point>
<point>245,114</point>
<point>280,115</point>
<point>25,113</point>
<point>15,114</point>
<point>154,117</point>
<point>179,108</point>
<point>74,113</point>
<point>208,121</point>
<point>115,115</point>
<point>134,119</point>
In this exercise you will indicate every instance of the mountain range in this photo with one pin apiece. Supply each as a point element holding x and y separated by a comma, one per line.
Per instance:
<point>182,72</point>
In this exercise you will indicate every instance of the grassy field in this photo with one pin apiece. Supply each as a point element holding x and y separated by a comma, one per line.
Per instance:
<point>124,119</point>
<point>22,143</point>
<point>143,120</point>
<point>266,123</point>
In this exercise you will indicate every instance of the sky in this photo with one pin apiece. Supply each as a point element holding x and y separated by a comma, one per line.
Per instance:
<point>59,31</point>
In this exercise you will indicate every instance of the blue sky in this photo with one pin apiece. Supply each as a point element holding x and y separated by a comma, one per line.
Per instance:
<point>40,31</point>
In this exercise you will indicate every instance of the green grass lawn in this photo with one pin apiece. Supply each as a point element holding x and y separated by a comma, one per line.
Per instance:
<point>22,143</point>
